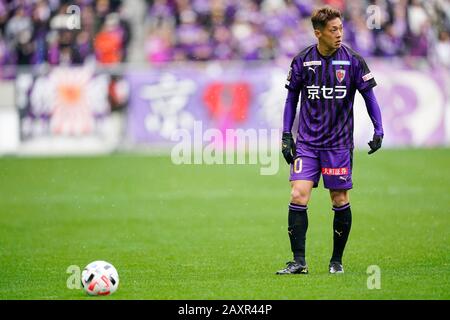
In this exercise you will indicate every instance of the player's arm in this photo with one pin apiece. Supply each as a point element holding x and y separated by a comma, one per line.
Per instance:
<point>365,83</point>
<point>293,84</point>
<point>373,109</point>
<point>290,109</point>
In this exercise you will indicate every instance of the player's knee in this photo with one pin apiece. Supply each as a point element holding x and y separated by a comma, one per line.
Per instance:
<point>299,196</point>
<point>339,203</point>
<point>339,198</point>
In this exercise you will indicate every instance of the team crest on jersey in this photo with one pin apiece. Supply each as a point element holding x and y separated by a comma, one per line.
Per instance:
<point>340,74</point>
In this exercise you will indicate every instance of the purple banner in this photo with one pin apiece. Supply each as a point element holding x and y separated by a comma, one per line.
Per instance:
<point>413,102</point>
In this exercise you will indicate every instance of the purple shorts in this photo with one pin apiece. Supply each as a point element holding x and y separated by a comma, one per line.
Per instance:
<point>334,165</point>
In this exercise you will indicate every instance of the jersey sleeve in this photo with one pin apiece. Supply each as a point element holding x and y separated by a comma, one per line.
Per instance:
<point>294,78</point>
<point>364,78</point>
<point>373,109</point>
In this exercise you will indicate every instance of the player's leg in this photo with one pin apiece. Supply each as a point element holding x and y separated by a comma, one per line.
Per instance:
<point>342,223</point>
<point>298,225</point>
<point>305,174</point>
<point>337,177</point>
<point>298,217</point>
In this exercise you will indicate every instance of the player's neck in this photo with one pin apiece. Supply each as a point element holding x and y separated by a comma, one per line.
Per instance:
<point>324,50</point>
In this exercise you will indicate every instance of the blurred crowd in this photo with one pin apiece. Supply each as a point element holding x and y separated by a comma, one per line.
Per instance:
<point>36,31</point>
<point>278,29</point>
<point>62,32</point>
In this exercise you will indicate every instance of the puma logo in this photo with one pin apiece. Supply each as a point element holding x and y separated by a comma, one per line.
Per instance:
<point>313,69</point>
<point>338,233</point>
<point>343,178</point>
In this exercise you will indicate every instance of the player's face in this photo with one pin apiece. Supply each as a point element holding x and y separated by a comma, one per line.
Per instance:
<point>331,36</point>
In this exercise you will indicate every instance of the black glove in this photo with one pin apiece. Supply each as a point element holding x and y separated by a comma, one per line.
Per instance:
<point>288,147</point>
<point>375,144</point>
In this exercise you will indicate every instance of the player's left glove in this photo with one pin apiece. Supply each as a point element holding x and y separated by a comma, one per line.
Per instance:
<point>375,144</point>
<point>288,147</point>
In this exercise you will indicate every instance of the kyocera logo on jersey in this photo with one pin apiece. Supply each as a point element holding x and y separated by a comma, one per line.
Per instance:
<point>316,92</point>
<point>340,74</point>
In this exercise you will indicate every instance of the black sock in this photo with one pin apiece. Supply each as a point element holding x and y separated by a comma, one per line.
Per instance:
<point>341,229</point>
<point>297,226</point>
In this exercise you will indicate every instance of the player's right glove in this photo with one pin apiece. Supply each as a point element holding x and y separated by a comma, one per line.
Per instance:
<point>375,144</point>
<point>288,147</point>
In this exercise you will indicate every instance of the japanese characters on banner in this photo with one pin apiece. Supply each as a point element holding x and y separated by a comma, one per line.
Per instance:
<point>413,103</point>
<point>162,102</point>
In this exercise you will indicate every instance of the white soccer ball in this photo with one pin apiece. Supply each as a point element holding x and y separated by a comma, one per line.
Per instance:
<point>100,278</point>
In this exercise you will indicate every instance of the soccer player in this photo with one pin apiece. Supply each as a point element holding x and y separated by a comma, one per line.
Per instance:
<point>327,75</point>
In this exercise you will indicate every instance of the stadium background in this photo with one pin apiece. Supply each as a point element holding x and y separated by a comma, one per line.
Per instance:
<point>116,88</point>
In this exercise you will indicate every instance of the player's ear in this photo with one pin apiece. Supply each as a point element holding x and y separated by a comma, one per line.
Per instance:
<point>317,33</point>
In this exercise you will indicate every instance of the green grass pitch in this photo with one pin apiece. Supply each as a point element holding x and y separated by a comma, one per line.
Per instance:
<point>220,232</point>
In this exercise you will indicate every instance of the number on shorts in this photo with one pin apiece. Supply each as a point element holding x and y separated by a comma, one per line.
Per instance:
<point>298,165</point>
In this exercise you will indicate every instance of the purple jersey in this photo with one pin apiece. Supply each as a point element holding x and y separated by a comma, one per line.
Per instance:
<point>327,86</point>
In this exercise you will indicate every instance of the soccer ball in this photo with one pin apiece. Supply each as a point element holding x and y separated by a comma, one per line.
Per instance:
<point>100,278</point>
